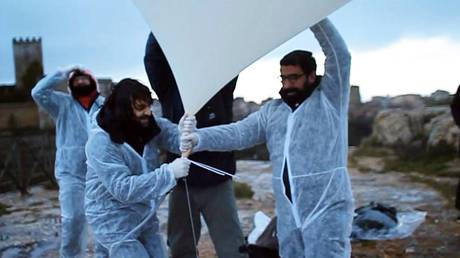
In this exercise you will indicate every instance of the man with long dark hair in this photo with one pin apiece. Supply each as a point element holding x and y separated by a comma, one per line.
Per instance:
<point>72,113</point>
<point>125,182</point>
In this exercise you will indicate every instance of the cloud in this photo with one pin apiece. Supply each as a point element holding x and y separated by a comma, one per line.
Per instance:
<point>259,81</point>
<point>407,66</point>
<point>410,65</point>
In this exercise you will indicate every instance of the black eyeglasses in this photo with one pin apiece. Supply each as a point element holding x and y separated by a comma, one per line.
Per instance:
<point>291,78</point>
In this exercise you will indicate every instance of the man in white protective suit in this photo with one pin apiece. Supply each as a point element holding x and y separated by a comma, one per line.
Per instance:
<point>72,114</point>
<point>306,135</point>
<point>126,181</point>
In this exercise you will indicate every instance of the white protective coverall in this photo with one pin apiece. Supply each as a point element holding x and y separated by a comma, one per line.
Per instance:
<point>72,123</point>
<point>312,143</point>
<point>123,188</point>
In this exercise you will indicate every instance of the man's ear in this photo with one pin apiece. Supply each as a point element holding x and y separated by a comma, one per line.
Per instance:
<point>311,78</point>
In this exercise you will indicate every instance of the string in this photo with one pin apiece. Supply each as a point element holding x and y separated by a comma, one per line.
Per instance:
<point>212,169</point>
<point>191,217</point>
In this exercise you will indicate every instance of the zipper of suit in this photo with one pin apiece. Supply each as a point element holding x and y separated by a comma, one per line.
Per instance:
<point>290,122</point>
<point>141,158</point>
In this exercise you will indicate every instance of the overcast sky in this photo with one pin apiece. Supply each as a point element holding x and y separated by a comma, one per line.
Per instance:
<point>398,46</point>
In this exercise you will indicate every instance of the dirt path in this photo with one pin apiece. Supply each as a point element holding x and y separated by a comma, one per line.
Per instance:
<point>32,227</point>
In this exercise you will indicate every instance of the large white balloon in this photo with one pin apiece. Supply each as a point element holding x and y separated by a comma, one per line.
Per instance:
<point>208,42</point>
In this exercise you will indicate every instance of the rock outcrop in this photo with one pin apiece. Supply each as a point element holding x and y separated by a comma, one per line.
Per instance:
<point>428,127</point>
<point>242,109</point>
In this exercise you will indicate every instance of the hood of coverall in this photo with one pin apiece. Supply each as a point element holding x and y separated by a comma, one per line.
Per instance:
<point>90,89</point>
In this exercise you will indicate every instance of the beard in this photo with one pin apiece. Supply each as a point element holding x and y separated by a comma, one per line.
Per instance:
<point>294,96</point>
<point>83,90</point>
<point>144,121</point>
<point>137,134</point>
<point>144,127</point>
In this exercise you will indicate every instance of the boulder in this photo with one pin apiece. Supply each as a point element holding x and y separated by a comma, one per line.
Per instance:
<point>407,102</point>
<point>442,131</point>
<point>395,127</point>
<point>242,109</point>
<point>440,96</point>
<point>432,126</point>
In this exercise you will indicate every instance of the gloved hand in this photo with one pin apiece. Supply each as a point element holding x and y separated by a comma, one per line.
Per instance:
<point>67,70</point>
<point>179,167</point>
<point>187,124</point>
<point>187,128</point>
<point>188,141</point>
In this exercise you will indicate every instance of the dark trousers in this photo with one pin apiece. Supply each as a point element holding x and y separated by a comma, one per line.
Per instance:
<point>457,199</point>
<point>217,205</point>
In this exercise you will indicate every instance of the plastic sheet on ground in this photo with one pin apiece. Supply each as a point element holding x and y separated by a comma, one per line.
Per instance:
<point>408,222</point>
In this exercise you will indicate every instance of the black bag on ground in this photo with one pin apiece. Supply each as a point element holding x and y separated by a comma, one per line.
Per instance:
<point>376,216</point>
<point>266,245</point>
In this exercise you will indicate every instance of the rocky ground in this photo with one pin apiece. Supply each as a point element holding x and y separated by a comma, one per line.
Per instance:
<point>31,229</point>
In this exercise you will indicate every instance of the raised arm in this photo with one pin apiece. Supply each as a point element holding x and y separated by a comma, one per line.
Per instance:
<point>228,97</point>
<point>455,107</point>
<point>46,95</point>
<point>162,80</point>
<point>125,185</point>
<point>336,79</point>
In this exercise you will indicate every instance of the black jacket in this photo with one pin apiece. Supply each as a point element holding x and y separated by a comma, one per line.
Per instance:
<point>455,107</point>
<point>216,111</point>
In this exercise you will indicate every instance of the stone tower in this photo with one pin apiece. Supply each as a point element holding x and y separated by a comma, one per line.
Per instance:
<point>28,62</point>
<point>355,97</point>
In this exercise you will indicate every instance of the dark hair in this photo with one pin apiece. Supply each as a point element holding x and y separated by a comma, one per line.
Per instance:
<point>301,58</point>
<point>116,114</point>
<point>78,72</point>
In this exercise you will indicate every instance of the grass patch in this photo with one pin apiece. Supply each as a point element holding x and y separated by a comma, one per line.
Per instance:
<point>448,191</point>
<point>242,190</point>
<point>424,164</point>
<point>434,162</point>
<point>366,243</point>
<point>4,209</point>
<point>352,162</point>
<point>371,151</point>
<point>363,169</point>
<point>48,185</point>
<point>426,167</point>
<point>367,152</point>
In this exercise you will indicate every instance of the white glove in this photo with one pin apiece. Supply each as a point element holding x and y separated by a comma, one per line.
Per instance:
<point>188,141</point>
<point>187,127</point>
<point>187,124</point>
<point>66,71</point>
<point>179,167</point>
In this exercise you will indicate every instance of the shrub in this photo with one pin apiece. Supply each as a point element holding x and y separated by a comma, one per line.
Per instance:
<point>242,190</point>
